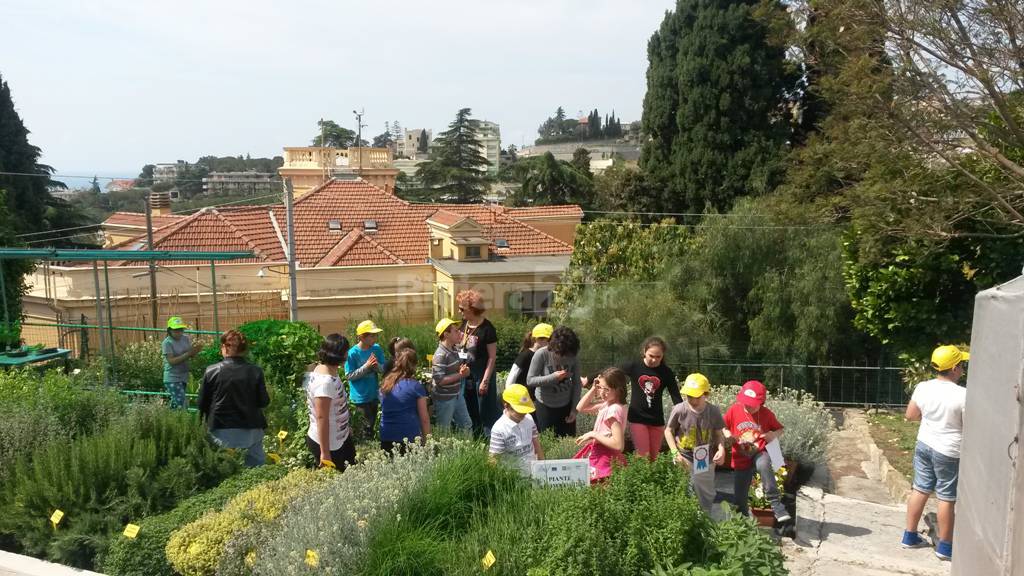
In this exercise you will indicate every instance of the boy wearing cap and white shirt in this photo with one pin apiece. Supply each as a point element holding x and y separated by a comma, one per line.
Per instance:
<point>694,432</point>
<point>752,426</point>
<point>939,405</point>
<point>449,370</point>
<point>514,436</point>
<point>364,364</point>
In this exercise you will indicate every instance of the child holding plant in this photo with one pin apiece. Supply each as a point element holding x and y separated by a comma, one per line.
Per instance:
<point>514,437</point>
<point>695,429</point>
<point>449,370</point>
<point>752,426</point>
<point>603,446</point>
<point>403,404</point>
<point>362,369</point>
<point>329,437</point>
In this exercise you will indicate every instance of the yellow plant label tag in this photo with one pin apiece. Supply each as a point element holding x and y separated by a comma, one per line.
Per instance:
<point>274,457</point>
<point>282,435</point>
<point>312,558</point>
<point>488,560</point>
<point>131,530</point>
<point>56,517</point>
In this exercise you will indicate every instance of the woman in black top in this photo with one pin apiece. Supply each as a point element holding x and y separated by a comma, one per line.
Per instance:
<point>649,377</point>
<point>480,344</point>
<point>231,400</point>
<point>534,340</point>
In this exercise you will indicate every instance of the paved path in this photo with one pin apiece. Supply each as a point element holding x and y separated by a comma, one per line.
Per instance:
<point>16,565</point>
<point>849,524</point>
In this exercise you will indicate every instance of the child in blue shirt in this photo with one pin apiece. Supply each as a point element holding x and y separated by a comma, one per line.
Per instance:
<point>363,367</point>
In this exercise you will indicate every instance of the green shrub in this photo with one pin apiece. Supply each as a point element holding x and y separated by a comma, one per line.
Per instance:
<point>145,554</point>
<point>140,366</point>
<point>335,519</point>
<point>807,423</point>
<point>37,408</point>
<point>556,448</point>
<point>197,548</point>
<point>739,549</point>
<point>142,464</point>
<point>284,350</point>
<point>641,517</point>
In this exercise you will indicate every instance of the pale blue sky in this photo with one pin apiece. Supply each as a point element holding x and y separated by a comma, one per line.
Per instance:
<point>109,85</point>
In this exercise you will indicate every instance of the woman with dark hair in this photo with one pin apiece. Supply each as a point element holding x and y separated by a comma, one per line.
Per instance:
<point>480,345</point>
<point>403,405</point>
<point>555,375</point>
<point>329,437</point>
<point>231,400</point>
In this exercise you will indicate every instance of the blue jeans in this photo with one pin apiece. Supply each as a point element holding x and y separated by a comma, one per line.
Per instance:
<point>743,478</point>
<point>248,439</point>
<point>447,410</point>
<point>177,391</point>
<point>935,472</point>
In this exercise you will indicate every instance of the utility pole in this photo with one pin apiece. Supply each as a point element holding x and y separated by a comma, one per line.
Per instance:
<point>152,265</point>
<point>359,135</point>
<point>293,302</point>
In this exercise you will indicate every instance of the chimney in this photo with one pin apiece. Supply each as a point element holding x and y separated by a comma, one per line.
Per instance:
<point>160,203</point>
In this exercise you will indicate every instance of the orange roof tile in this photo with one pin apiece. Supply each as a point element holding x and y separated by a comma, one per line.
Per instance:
<point>137,220</point>
<point>402,236</point>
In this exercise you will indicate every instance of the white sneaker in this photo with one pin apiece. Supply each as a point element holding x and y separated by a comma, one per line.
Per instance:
<point>784,518</point>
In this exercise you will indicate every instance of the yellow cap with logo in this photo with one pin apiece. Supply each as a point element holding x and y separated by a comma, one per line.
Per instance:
<point>542,330</point>
<point>176,323</point>
<point>696,385</point>
<point>443,325</point>
<point>518,397</point>
<point>367,327</point>
<point>947,357</point>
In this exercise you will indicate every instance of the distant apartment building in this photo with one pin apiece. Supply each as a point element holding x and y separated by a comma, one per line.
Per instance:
<point>168,172</point>
<point>414,143</point>
<point>238,183</point>
<point>121,184</point>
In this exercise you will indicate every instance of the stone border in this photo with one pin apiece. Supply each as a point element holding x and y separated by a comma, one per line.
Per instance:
<point>877,466</point>
<point>18,565</point>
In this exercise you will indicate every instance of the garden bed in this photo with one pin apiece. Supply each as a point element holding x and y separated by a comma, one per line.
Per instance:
<point>896,437</point>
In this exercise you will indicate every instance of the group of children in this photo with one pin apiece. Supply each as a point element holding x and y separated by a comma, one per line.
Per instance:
<point>544,390</point>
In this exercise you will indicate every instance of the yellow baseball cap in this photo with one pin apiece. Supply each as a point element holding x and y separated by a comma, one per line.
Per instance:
<point>176,323</point>
<point>443,325</point>
<point>696,385</point>
<point>542,330</point>
<point>947,357</point>
<point>518,397</point>
<point>367,327</point>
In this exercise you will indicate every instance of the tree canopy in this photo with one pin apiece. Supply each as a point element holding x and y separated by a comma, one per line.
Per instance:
<point>457,168</point>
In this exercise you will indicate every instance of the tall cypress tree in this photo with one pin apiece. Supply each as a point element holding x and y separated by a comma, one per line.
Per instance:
<point>457,172</point>
<point>27,182</point>
<point>715,104</point>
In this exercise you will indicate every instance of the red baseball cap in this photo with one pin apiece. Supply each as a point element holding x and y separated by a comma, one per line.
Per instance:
<point>752,394</point>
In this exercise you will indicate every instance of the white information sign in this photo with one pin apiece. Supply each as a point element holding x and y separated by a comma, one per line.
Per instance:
<point>561,472</point>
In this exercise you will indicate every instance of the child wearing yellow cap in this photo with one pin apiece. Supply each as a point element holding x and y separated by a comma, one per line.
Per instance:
<point>449,369</point>
<point>695,436</point>
<point>514,437</point>
<point>363,367</point>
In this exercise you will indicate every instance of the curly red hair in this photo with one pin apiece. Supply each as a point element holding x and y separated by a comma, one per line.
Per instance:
<point>471,299</point>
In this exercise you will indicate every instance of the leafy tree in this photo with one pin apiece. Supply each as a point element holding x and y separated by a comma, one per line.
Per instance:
<point>145,176</point>
<point>383,140</point>
<point>94,188</point>
<point>423,143</point>
<point>330,135</point>
<point>14,270</point>
<point>548,181</point>
<point>457,171</point>
<point>624,188</point>
<point>716,86</point>
<point>581,161</point>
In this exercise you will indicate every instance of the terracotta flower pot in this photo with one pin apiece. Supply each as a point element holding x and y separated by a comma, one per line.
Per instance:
<point>763,516</point>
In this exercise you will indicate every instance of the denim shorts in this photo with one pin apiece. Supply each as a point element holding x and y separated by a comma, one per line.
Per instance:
<point>935,472</point>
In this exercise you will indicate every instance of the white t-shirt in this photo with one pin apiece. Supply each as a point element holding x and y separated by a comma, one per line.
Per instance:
<point>942,415</point>
<point>514,442</point>
<point>326,386</point>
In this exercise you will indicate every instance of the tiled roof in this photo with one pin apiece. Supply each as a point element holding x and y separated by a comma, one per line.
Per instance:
<point>570,210</point>
<point>136,220</point>
<point>402,235</point>
<point>446,217</point>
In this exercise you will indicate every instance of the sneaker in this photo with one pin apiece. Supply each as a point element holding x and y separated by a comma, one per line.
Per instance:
<point>913,540</point>
<point>944,551</point>
<point>784,518</point>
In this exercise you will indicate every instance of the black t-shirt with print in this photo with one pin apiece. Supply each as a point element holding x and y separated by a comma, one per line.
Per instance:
<point>647,387</point>
<point>475,341</point>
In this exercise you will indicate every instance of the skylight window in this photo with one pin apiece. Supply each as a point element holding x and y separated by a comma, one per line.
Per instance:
<point>370,225</point>
<point>334,225</point>
<point>501,243</point>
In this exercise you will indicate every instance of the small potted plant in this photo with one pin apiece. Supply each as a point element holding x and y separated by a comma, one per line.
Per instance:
<point>760,508</point>
<point>10,336</point>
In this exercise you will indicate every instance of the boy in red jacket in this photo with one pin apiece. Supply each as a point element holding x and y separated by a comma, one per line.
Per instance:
<point>751,427</point>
